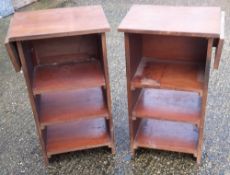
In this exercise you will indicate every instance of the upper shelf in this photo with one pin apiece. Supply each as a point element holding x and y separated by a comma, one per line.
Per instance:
<point>50,78</point>
<point>169,75</point>
<point>169,20</point>
<point>57,23</point>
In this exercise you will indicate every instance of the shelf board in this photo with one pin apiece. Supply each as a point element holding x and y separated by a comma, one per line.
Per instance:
<point>67,77</point>
<point>59,107</point>
<point>168,105</point>
<point>77,136</point>
<point>169,75</point>
<point>167,135</point>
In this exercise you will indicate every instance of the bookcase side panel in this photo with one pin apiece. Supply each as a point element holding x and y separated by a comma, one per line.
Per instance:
<point>27,70</point>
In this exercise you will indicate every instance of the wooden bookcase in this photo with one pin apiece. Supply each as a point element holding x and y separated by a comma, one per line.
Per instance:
<point>62,53</point>
<point>168,56</point>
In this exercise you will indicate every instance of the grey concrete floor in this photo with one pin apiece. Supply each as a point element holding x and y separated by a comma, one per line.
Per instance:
<point>20,152</point>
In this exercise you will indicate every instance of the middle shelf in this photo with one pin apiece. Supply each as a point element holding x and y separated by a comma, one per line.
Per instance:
<point>60,107</point>
<point>170,105</point>
<point>50,78</point>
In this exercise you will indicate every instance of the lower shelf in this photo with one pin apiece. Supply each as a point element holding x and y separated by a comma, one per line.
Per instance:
<point>167,135</point>
<point>77,136</point>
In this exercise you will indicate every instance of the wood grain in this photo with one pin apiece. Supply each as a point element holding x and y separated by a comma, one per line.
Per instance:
<point>172,48</point>
<point>168,105</point>
<point>60,107</point>
<point>58,22</point>
<point>169,75</point>
<point>171,20</point>
<point>66,49</point>
<point>220,44</point>
<point>77,136</point>
<point>166,135</point>
<point>67,77</point>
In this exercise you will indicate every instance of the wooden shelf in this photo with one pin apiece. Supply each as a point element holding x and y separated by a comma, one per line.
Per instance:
<point>168,105</point>
<point>169,75</point>
<point>67,77</point>
<point>167,135</point>
<point>59,107</point>
<point>77,136</point>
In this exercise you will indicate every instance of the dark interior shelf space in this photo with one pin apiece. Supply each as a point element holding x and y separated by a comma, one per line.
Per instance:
<point>77,136</point>
<point>59,107</point>
<point>67,77</point>
<point>168,105</point>
<point>167,135</point>
<point>176,75</point>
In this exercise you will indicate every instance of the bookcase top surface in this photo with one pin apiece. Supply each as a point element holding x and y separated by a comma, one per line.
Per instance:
<point>57,23</point>
<point>173,20</point>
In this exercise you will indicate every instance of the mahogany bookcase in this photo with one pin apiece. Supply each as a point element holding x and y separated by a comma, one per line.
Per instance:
<point>168,56</point>
<point>62,53</point>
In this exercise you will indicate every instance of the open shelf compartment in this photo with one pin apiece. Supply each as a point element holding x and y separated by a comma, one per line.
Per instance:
<point>163,74</point>
<point>60,107</point>
<point>63,77</point>
<point>77,135</point>
<point>167,135</point>
<point>169,105</point>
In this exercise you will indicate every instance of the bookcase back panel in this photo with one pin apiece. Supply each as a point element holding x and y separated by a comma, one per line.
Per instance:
<point>66,49</point>
<point>174,48</point>
<point>29,58</point>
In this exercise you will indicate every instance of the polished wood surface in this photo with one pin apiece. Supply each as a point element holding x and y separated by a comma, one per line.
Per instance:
<point>77,135</point>
<point>168,55</point>
<point>169,75</point>
<point>67,77</point>
<point>204,100</point>
<point>13,54</point>
<point>27,67</point>
<point>63,56</point>
<point>57,23</point>
<point>133,56</point>
<point>168,105</point>
<point>66,49</point>
<point>166,135</point>
<point>170,48</point>
<point>60,107</point>
<point>220,42</point>
<point>171,20</point>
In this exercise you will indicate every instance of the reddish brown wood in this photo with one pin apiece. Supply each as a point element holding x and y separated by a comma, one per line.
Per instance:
<point>26,66</point>
<point>133,56</point>
<point>103,55</point>
<point>204,100</point>
<point>63,57</point>
<point>220,43</point>
<point>13,54</point>
<point>77,135</point>
<point>67,76</point>
<point>166,135</point>
<point>187,21</point>
<point>169,75</point>
<point>63,107</point>
<point>167,56</point>
<point>170,48</point>
<point>168,105</point>
<point>66,49</point>
<point>61,22</point>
